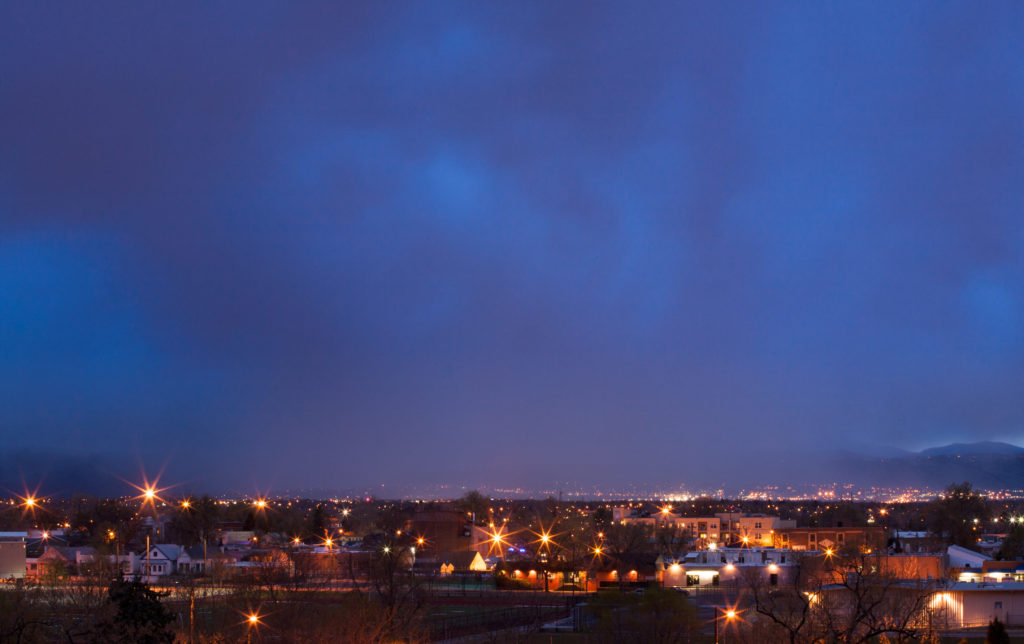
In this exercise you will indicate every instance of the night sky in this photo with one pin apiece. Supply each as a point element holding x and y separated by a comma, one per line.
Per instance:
<point>280,245</point>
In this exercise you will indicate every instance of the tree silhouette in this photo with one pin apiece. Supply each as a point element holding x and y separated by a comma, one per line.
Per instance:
<point>476,503</point>
<point>997,633</point>
<point>952,516</point>
<point>140,618</point>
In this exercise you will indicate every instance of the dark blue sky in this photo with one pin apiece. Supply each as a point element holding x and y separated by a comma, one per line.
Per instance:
<point>342,244</point>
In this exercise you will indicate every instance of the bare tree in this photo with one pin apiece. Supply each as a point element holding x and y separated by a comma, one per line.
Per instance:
<point>840,598</point>
<point>623,543</point>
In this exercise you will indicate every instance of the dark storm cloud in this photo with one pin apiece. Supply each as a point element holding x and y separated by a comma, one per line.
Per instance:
<point>337,245</point>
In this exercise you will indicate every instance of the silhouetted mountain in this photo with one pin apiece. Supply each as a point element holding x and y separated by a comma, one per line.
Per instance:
<point>965,449</point>
<point>986,465</point>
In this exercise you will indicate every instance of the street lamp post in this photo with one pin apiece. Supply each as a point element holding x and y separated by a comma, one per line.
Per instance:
<point>729,615</point>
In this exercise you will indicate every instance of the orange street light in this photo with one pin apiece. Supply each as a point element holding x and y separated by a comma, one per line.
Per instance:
<point>729,614</point>
<point>148,491</point>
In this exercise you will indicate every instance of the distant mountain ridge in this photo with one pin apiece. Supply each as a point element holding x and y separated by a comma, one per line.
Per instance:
<point>973,449</point>
<point>987,465</point>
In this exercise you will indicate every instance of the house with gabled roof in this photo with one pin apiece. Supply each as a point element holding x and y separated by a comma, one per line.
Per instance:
<point>161,560</point>
<point>63,557</point>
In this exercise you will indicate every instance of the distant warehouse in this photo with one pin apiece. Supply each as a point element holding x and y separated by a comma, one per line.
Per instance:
<point>12,555</point>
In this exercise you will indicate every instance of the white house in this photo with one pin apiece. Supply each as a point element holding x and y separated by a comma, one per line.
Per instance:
<point>161,560</point>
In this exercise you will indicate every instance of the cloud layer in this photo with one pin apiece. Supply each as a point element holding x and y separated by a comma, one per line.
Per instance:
<point>349,244</point>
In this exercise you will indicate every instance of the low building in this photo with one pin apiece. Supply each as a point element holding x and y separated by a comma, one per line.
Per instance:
<point>960,557</point>
<point>728,566</point>
<point>921,566</point>
<point>994,572</point>
<point>12,555</point>
<point>971,604</point>
<point>236,537</point>
<point>990,543</point>
<point>865,538</point>
<point>915,541</point>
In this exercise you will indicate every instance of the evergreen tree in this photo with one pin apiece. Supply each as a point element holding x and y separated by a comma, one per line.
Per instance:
<point>997,633</point>
<point>139,617</point>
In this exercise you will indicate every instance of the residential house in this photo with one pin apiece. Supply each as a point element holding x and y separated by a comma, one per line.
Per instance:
<point>61,560</point>
<point>162,560</point>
